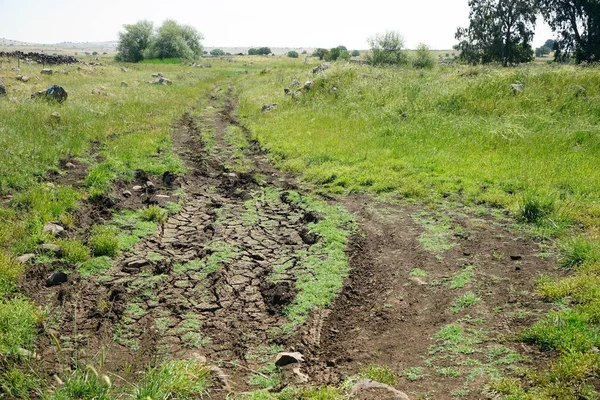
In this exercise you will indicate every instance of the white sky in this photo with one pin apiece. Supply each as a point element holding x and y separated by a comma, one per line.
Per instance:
<point>239,23</point>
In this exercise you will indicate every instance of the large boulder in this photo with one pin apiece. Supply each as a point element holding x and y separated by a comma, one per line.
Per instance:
<point>321,68</point>
<point>54,92</point>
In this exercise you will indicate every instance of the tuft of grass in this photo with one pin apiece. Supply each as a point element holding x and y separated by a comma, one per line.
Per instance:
<point>419,273</point>
<point>10,270</point>
<point>73,250</point>
<point>83,384</point>
<point>95,266</point>
<point>182,380</point>
<point>579,250</point>
<point>533,209</point>
<point>154,214</point>
<point>380,374</point>
<point>18,318</point>
<point>414,374</point>
<point>17,384</point>
<point>466,300</point>
<point>459,281</point>
<point>104,240</point>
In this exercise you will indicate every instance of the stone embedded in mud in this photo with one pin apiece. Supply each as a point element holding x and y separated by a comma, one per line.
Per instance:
<point>516,257</point>
<point>137,263</point>
<point>46,71</point>
<point>69,165</point>
<point>53,229</point>
<point>56,278</point>
<point>127,193</point>
<point>124,84</point>
<point>55,117</point>
<point>54,248</point>
<point>384,391</point>
<point>137,188</point>
<point>285,358</point>
<point>269,107</point>
<point>25,257</point>
<point>168,178</point>
<point>300,377</point>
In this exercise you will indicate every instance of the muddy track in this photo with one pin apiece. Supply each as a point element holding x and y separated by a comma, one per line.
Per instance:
<point>199,287</point>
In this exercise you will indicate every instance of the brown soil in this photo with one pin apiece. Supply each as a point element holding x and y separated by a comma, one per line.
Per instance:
<point>163,300</point>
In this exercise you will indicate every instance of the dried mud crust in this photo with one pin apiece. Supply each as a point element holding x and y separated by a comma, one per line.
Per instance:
<point>203,286</point>
<point>387,316</point>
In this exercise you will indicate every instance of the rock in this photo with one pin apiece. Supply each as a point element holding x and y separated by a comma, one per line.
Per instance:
<point>127,193</point>
<point>25,78</point>
<point>363,75</point>
<point>137,188</point>
<point>517,88</point>
<point>379,75</point>
<point>287,91</point>
<point>15,68</point>
<point>2,89</point>
<point>162,196</point>
<point>308,85</point>
<point>161,81</point>
<point>137,263</point>
<point>25,257</point>
<point>150,185</point>
<point>269,107</point>
<point>516,257</point>
<point>123,69</point>
<point>27,353</point>
<point>54,248</point>
<point>578,90</point>
<point>283,359</point>
<point>296,83</point>
<point>381,390</point>
<point>54,92</point>
<point>52,229</point>
<point>55,117</point>
<point>56,278</point>
<point>136,83</point>
<point>322,67</point>
<point>296,94</point>
<point>124,84</point>
<point>69,165</point>
<point>100,90</point>
<point>157,75</point>
<point>300,377</point>
<point>168,178</point>
<point>46,71</point>
<point>418,280</point>
<point>334,89</point>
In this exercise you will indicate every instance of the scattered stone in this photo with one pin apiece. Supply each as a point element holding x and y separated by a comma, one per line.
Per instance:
<point>269,107</point>
<point>308,85</point>
<point>56,278</point>
<point>515,258</point>
<point>127,194</point>
<point>46,71</point>
<point>53,229</point>
<point>363,75</point>
<point>517,88</point>
<point>100,90</point>
<point>157,75</point>
<point>283,359</point>
<point>418,280</point>
<point>168,178</point>
<point>69,165</point>
<point>124,84</point>
<point>300,377</point>
<point>137,263</point>
<point>137,188</point>
<point>296,83</point>
<point>54,92</point>
<point>16,68</point>
<point>334,89</point>
<point>25,78</point>
<point>162,196</point>
<point>27,353</point>
<point>2,89</point>
<point>161,81</point>
<point>322,67</point>
<point>123,69</point>
<point>150,185</point>
<point>379,75</point>
<point>55,117</point>
<point>368,385</point>
<point>287,91</point>
<point>296,94</point>
<point>25,257</point>
<point>54,248</point>
<point>136,83</point>
<point>578,90</point>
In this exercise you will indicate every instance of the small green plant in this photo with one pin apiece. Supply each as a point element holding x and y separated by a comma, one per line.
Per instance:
<point>466,300</point>
<point>380,374</point>
<point>83,384</point>
<point>533,209</point>
<point>10,270</point>
<point>448,371</point>
<point>104,241</point>
<point>459,281</point>
<point>96,265</point>
<point>414,374</point>
<point>419,273</point>
<point>154,214</point>
<point>74,251</point>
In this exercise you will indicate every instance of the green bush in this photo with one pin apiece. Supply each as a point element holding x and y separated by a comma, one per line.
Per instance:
<point>74,251</point>
<point>579,250</point>
<point>387,49</point>
<point>423,57</point>
<point>83,385</point>
<point>154,213</point>
<point>379,374</point>
<point>292,54</point>
<point>104,241</point>
<point>533,209</point>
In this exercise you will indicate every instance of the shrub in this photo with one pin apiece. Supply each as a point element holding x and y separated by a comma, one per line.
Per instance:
<point>217,52</point>
<point>154,213</point>
<point>355,53</point>
<point>386,49</point>
<point>423,57</point>
<point>104,241</point>
<point>292,54</point>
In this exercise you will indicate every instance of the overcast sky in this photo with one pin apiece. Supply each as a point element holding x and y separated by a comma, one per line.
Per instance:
<point>240,23</point>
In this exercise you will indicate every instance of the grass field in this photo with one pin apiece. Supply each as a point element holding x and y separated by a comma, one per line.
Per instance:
<point>447,136</point>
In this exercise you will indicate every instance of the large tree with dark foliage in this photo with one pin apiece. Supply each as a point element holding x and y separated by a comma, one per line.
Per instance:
<point>499,31</point>
<point>577,25</point>
<point>134,40</point>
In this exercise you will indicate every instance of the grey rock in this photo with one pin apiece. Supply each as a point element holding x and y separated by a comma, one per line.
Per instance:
<point>53,229</point>
<point>55,117</point>
<point>137,188</point>
<point>69,165</point>
<point>25,257</point>
<point>308,85</point>
<point>137,263</point>
<point>25,78</point>
<point>363,385</point>
<point>517,88</point>
<point>296,94</point>
<point>269,107</point>
<point>56,278</point>
<point>54,248</point>
<point>157,75</point>
<point>123,69</point>
<point>296,83</point>
<point>46,71</point>
<point>287,358</point>
<point>334,89</point>
<point>287,91</point>
<point>578,90</point>
<point>124,84</point>
<point>150,185</point>
<point>363,75</point>
<point>322,67</point>
<point>127,193</point>
<point>2,89</point>
<point>161,81</point>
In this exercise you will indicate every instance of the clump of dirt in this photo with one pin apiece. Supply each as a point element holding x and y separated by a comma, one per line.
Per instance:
<point>277,295</point>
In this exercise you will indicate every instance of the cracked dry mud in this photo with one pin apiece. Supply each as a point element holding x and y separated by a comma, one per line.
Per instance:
<point>212,282</point>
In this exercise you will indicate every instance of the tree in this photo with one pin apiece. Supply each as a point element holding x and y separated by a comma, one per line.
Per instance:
<point>217,52</point>
<point>175,41</point>
<point>499,31</point>
<point>542,51</point>
<point>423,57</point>
<point>264,51</point>
<point>577,24</point>
<point>321,53</point>
<point>336,53</point>
<point>355,53</point>
<point>386,49</point>
<point>252,52</point>
<point>134,40</point>
<point>549,44</point>
<point>292,54</point>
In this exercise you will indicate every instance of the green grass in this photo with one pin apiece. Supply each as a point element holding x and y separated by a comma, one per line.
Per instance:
<point>103,241</point>
<point>18,319</point>
<point>73,250</point>
<point>419,273</point>
<point>468,299</point>
<point>380,374</point>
